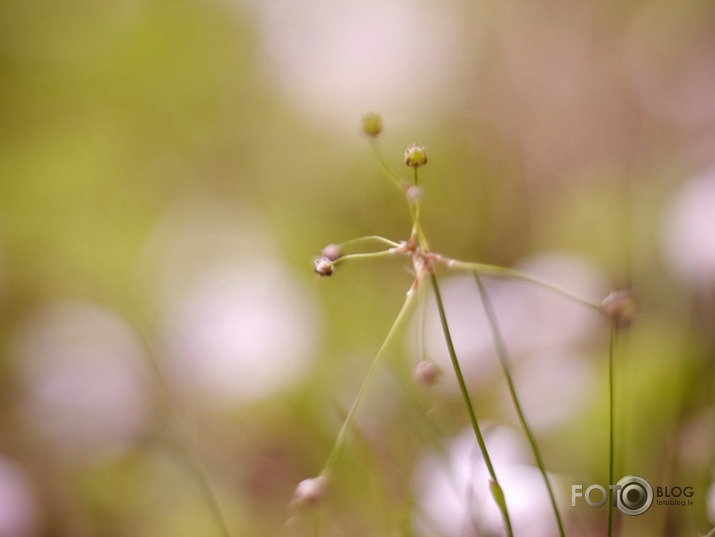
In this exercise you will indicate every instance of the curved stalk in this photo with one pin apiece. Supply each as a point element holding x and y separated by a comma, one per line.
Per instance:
<point>369,238</point>
<point>399,182</point>
<point>506,272</point>
<point>368,255</point>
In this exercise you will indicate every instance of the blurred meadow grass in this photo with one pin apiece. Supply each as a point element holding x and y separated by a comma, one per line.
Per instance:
<point>168,170</point>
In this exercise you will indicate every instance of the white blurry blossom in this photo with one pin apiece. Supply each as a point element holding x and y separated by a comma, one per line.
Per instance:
<point>18,508</point>
<point>711,500</point>
<point>85,378</point>
<point>531,319</point>
<point>336,59</point>
<point>237,325</point>
<point>240,333</point>
<point>453,493</point>
<point>688,235</point>
<point>554,387</point>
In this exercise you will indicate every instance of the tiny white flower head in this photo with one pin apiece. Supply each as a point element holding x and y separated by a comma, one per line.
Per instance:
<point>309,492</point>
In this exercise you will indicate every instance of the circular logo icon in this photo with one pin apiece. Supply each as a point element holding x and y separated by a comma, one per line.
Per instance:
<point>634,495</point>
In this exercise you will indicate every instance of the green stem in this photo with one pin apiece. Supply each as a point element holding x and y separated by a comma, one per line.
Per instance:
<point>506,272</point>
<point>368,255</point>
<point>340,440</point>
<point>317,522</point>
<point>498,496</point>
<point>612,334</point>
<point>184,446</point>
<point>399,182</point>
<point>369,238</point>
<point>503,359</point>
<point>415,213</point>
<point>211,499</point>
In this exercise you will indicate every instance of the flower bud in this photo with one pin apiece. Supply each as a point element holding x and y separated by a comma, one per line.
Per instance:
<point>426,373</point>
<point>371,124</point>
<point>323,266</point>
<point>620,307</point>
<point>309,492</point>
<point>332,252</point>
<point>415,156</point>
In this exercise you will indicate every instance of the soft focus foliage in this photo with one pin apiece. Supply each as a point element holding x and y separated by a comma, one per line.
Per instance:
<point>169,168</point>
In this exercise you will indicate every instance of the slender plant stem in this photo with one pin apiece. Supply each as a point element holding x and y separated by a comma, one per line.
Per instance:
<point>612,336</point>
<point>317,523</point>
<point>183,444</point>
<point>368,255</point>
<point>504,360</point>
<point>340,440</point>
<point>369,238</point>
<point>386,167</point>
<point>506,272</point>
<point>194,462</point>
<point>467,400</point>
<point>415,213</point>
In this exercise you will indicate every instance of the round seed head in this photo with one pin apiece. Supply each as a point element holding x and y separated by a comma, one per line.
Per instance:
<point>415,156</point>
<point>323,266</point>
<point>309,492</point>
<point>426,373</point>
<point>332,252</point>
<point>372,124</point>
<point>619,306</point>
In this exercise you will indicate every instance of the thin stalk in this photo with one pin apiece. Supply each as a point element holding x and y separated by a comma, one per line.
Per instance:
<point>340,440</point>
<point>194,462</point>
<point>415,213</point>
<point>506,272</point>
<point>504,360</point>
<point>184,446</point>
<point>369,238</point>
<point>386,167</point>
<point>368,255</point>
<point>317,523</point>
<point>468,402</point>
<point>612,335</point>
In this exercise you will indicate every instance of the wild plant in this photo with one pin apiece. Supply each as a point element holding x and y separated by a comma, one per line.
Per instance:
<point>427,266</point>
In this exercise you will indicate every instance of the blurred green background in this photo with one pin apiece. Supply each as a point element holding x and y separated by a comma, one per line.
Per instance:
<point>168,169</point>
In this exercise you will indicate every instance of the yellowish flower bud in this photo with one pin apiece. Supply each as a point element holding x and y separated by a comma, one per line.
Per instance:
<point>415,156</point>
<point>372,124</point>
